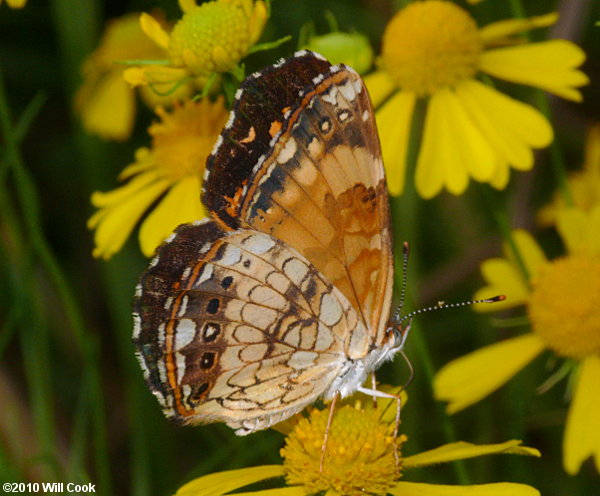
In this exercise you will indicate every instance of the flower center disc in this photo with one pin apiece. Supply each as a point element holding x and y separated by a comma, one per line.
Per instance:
<point>429,45</point>
<point>360,453</point>
<point>564,307</point>
<point>210,38</point>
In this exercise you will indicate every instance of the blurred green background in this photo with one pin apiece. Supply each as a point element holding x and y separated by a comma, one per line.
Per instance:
<point>73,405</point>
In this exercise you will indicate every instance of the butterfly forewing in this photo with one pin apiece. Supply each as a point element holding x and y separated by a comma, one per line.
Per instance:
<point>319,186</point>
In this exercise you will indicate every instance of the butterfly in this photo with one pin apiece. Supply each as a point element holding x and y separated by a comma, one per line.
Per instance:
<point>282,296</point>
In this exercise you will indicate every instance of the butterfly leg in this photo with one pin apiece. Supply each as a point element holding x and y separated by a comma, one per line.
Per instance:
<point>374,388</point>
<point>326,436</point>
<point>381,394</point>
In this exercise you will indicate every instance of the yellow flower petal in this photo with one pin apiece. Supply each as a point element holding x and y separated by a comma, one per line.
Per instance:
<point>257,21</point>
<point>582,435</point>
<point>497,31</point>
<point>16,4</point>
<point>380,86</point>
<point>187,5</point>
<point>180,205</point>
<point>114,224</point>
<point>136,185</point>
<point>512,127</point>
<point>495,489</point>
<point>461,450</point>
<point>394,123</point>
<point>109,109</point>
<point>154,30</point>
<point>549,65</point>
<point>502,277</point>
<point>501,175</point>
<point>279,491</point>
<point>453,148</point>
<point>224,482</point>
<point>580,230</point>
<point>154,74</point>
<point>532,255</point>
<point>468,379</point>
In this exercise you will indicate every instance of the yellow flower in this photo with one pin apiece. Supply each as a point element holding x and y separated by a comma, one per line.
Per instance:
<point>105,102</point>
<point>170,171</point>
<point>15,4</point>
<point>362,457</point>
<point>584,185</point>
<point>210,38</point>
<point>562,297</point>
<point>434,50</point>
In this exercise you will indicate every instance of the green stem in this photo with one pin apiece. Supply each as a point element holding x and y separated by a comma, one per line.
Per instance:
<point>406,209</point>
<point>40,250</point>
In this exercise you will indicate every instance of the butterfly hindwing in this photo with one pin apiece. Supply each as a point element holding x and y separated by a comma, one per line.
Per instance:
<point>249,332</point>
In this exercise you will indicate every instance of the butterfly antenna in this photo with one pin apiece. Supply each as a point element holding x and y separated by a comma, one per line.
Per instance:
<point>443,305</point>
<point>405,251</point>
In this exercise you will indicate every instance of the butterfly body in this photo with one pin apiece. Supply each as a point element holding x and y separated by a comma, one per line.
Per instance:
<point>283,296</point>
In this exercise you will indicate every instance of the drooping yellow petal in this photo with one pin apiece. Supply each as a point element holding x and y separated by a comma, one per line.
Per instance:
<point>580,230</point>
<point>549,65</point>
<point>257,21</point>
<point>187,5</point>
<point>582,435</point>
<point>180,205</point>
<point>468,379</point>
<point>461,450</point>
<point>502,277</point>
<point>495,489</point>
<point>532,255</point>
<point>394,124</point>
<point>501,175</point>
<point>154,30</point>
<point>498,31</point>
<point>114,224</point>
<point>380,86</point>
<point>453,148</point>
<point>223,482</point>
<point>109,109</point>
<point>512,127</point>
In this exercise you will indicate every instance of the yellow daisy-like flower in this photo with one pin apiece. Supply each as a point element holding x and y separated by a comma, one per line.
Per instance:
<point>584,185</point>
<point>562,297</point>
<point>210,38</point>
<point>362,457</point>
<point>170,171</point>
<point>434,50</point>
<point>105,102</point>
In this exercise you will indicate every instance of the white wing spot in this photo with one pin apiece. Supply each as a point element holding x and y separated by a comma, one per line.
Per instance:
<point>185,333</point>
<point>288,151</point>
<point>330,311</point>
<point>258,243</point>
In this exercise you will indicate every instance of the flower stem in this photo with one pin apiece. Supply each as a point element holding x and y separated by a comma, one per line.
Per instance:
<point>405,210</point>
